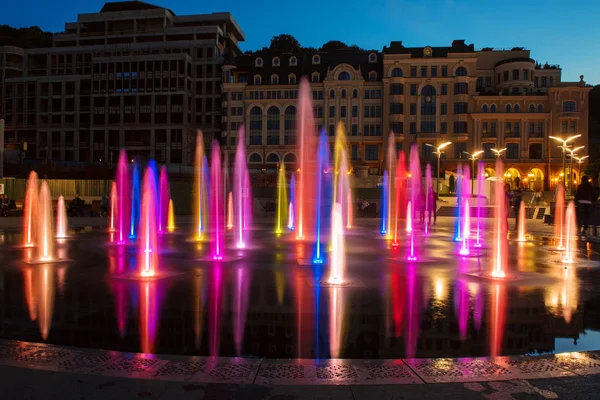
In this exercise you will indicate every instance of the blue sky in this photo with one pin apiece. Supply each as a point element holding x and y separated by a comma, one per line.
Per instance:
<point>560,32</point>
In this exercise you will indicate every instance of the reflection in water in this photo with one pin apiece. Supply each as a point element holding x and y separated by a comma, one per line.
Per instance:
<point>216,289</point>
<point>303,297</point>
<point>117,265</point>
<point>149,304</point>
<point>497,317</point>
<point>39,295</point>
<point>199,301</point>
<point>398,292</point>
<point>240,306</point>
<point>413,312</point>
<point>461,307</point>
<point>562,297</point>
<point>479,295</point>
<point>336,320</point>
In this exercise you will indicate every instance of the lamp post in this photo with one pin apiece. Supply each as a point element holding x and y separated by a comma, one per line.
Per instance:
<point>572,154</point>
<point>498,152</point>
<point>473,158</point>
<point>579,160</point>
<point>564,150</point>
<point>438,152</point>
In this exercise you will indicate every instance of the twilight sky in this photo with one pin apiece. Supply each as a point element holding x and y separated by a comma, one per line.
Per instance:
<point>557,31</point>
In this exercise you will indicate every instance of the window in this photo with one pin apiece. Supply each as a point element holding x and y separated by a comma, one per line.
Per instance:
<point>444,110</point>
<point>354,130</point>
<point>396,127</point>
<point>316,59</point>
<point>413,72</point>
<point>484,127</point>
<point>354,94</point>
<point>569,106</point>
<point>535,151</point>
<point>371,152</point>
<point>460,127</point>
<point>507,127</point>
<point>525,75</point>
<point>516,128</point>
<point>372,130</point>
<point>396,89</point>
<point>512,151</point>
<point>343,112</point>
<point>413,108</point>
<point>331,130</point>
<point>426,151</point>
<point>258,62</point>
<point>493,128</point>
<point>487,150</point>
<point>413,128</point>
<point>413,90</point>
<point>563,127</point>
<point>331,111</point>
<point>398,147</point>
<point>505,76</point>
<point>332,94</point>
<point>535,81</point>
<point>508,108</point>
<point>273,125</point>
<point>433,71</point>
<point>493,108</point>
<point>531,127</point>
<point>274,79</point>
<point>543,81</point>
<point>428,109</point>
<point>531,108</point>
<point>257,80</point>
<point>255,158</point>
<point>343,76</point>
<point>444,127</point>
<point>395,108</point>
<point>515,74</point>
<point>572,127</point>
<point>275,62</point>
<point>540,128</point>
<point>460,108</point>
<point>396,73</point>
<point>293,61</point>
<point>317,95</point>
<point>289,125</point>
<point>291,79</point>
<point>461,71</point>
<point>444,70</point>
<point>318,112</point>
<point>343,93</point>
<point>354,153</point>
<point>540,108</point>
<point>372,76</point>
<point>459,150</point>
<point>551,81</point>
<point>255,125</point>
<point>315,77</point>
<point>354,111</point>
<point>488,82</point>
<point>423,72</point>
<point>372,58</point>
<point>484,108</point>
<point>444,89</point>
<point>460,88</point>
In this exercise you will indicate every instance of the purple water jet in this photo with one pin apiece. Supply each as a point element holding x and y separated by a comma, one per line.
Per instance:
<point>217,217</point>
<point>163,201</point>
<point>124,200</point>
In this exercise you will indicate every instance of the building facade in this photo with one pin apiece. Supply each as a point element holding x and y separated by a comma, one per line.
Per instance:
<point>477,99</point>
<point>133,76</point>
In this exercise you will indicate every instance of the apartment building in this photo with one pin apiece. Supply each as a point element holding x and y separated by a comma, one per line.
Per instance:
<point>133,76</point>
<point>478,99</point>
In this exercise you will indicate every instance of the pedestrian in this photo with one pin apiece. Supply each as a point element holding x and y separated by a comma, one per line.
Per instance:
<point>518,204</point>
<point>432,206</point>
<point>422,205</point>
<point>584,200</point>
<point>538,198</point>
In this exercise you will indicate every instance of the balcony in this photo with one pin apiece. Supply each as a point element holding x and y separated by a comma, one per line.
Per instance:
<point>488,134</point>
<point>460,136</point>
<point>536,135</point>
<point>512,135</point>
<point>428,135</point>
<point>575,115</point>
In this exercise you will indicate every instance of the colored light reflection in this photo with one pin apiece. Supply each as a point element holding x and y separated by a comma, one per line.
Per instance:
<point>240,306</point>
<point>216,313</point>
<point>198,306</point>
<point>149,308</point>
<point>39,290</point>
<point>497,318</point>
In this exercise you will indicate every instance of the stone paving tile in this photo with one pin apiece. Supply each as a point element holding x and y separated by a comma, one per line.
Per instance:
<point>461,370</point>
<point>181,368</point>
<point>524,367</point>
<point>132,366</point>
<point>383,372</point>
<point>11,349</point>
<point>230,370</point>
<point>580,363</point>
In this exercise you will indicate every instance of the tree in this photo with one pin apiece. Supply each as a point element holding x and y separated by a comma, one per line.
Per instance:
<point>451,184</point>
<point>333,45</point>
<point>284,42</point>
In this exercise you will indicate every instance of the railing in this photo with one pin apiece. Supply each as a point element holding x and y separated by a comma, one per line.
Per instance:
<point>487,134</point>
<point>536,134</point>
<point>512,134</point>
<point>570,114</point>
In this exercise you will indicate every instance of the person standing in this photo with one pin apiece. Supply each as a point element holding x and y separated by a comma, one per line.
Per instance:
<point>584,200</point>
<point>432,206</point>
<point>518,204</point>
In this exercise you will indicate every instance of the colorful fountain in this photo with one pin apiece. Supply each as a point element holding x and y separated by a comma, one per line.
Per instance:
<point>171,218</point>
<point>114,208</point>
<point>148,244</point>
<point>163,200</point>
<point>282,203</point>
<point>201,184</point>
<point>466,214</point>
<point>500,246</point>
<point>45,226</point>
<point>61,219</point>
<point>217,218</point>
<point>123,196</point>
<point>480,180</point>
<point>559,216</point>
<point>292,198</point>
<point>136,195</point>
<point>521,227</point>
<point>30,210</point>
<point>570,240</point>
<point>242,194</point>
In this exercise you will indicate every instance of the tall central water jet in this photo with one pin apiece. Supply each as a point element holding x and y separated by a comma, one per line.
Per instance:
<point>30,209</point>
<point>399,197</point>
<point>571,232</point>
<point>521,227</point>
<point>123,191</point>
<point>390,201</point>
<point>459,199</point>
<point>292,198</point>
<point>241,191</point>
<point>559,216</point>
<point>322,198</point>
<point>282,203</point>
<point>114,208</point>
<point>163,200</point>
<point>415,190</point>
<point>216,203</point>
<point>61,218</point>
<point>136,196</point>
<point>466,225</point>
<point>342,192</point>
<point>480,178</point>
<point>500,224</point>
<point>201,179</point>
<point>148,226</point>
<point>45,228</point>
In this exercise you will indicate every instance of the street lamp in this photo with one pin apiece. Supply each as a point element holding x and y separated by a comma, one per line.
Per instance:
<point>580,160</point>
<point>438,152</point>
<point>473,158</point>
<point>498,152</point>
<point>564,150</point>
<point>572,154</point>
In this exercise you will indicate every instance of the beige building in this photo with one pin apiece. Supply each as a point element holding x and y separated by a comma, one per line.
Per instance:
<point>133,76</point>
<point>477,99</point>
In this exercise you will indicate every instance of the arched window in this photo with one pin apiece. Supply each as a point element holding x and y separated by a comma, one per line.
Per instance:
<point>540,108</point>
<point>276,62</point>
<point>289,159</point>
<point>508,108</point>
<point>257,80</point>
<point>372,58</point>
<point>396,73</point>
<point>372,76</point>
<point>293,61</point>
<point>255,125</point>
<point>355,94</point>
<point>343,93</point>
<point>316,59</point>
<point>315,77</point>
<point>484,108</point>
<point>493,108</point>
<point>258,62</point>
<point>274,79</point>
<point>273,125</point>
<point>255,158</point>
<point>289,125</point>
<point>516,108</point>
<point>531,108</point>
<point>343,76</point>
<point>332,94</point>
<point>428,104</point>
<point>461,71</point>
<point>291,79</point>
<point>272,158</point>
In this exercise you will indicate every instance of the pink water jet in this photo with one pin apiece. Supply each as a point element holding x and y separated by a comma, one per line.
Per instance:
<point>148,244</point>
<point>241,193</point>
<point>466,215</point>
<point>45,227</point>
<point>409,219</point>
<point>30,210</point>
<point>114,208</point>
<point>307,172</point>
<point>124,199</point>
<point>559,216</point>
<point>570,234</point>
<point>217,218</point>
<point>480,179</point>
<point>290,224</point>
<point>61,219</point>
<point>230,211</point>
<point>521,227</point>
<point>399,197</point>
<point>163,200</point>
<point>428,194</point>
<point>240,307</point>
<point>500,247</point>
<point>390,201</point>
